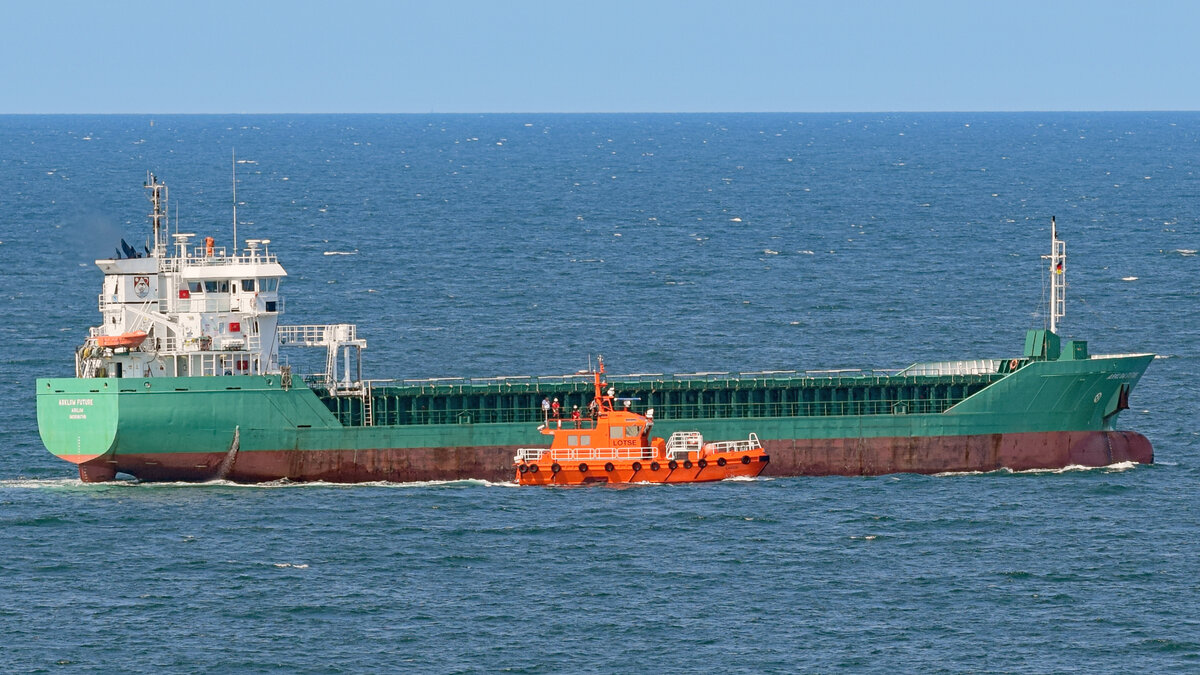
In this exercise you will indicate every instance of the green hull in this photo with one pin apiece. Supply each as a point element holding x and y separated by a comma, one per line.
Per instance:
<point>252,428</point>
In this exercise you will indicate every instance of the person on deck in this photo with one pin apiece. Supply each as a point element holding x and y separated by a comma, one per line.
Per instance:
<point>546,408</point>
<point>555,409</point>
<point>576,417</point>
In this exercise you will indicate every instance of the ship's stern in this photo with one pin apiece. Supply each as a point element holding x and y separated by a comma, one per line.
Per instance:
<point>77,420</point>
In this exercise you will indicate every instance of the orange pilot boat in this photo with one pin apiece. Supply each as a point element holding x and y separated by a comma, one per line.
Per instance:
<point>614,445</point>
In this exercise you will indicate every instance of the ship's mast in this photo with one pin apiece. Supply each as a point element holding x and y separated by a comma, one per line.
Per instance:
<point>1058,277</point>
<point>158,197</point>
<point>234,165</point>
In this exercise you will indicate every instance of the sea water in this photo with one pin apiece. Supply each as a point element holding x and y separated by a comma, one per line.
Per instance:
<point>481,245</point>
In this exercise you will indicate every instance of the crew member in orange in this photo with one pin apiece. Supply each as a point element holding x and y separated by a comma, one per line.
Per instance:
<point>208,246</point>
<point>576,416</point>
<point>554,409</point>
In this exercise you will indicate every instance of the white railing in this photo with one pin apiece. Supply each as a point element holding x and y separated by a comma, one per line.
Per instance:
<point>749,445</point>
<point>316,335</point>
<point>683,442</point>
<point>197,258</point>
<point>573,454</point>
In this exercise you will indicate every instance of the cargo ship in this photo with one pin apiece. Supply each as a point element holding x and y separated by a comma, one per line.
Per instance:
<point>183,381</point>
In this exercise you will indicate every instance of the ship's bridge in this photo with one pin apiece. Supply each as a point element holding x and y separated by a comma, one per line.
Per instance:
<point>198,309</point>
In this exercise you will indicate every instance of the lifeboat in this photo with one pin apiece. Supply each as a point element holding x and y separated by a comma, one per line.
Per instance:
<point>614,445</point>
<point>128,340</point>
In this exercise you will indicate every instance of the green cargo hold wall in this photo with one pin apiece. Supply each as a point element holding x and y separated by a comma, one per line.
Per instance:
<point>671,399</point>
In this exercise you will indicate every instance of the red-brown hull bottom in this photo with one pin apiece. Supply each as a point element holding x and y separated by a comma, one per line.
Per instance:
<point>792,457</point>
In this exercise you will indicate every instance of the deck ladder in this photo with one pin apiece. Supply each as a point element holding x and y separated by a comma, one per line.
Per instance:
<point>368,408</point>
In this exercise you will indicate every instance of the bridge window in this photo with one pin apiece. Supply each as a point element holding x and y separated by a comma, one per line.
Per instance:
<point>195,286</point>
<point>270,284</point>
<point>248,285</point>
<point>221,286</point>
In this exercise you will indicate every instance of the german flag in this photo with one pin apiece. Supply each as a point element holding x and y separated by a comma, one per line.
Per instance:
<point>1058,267</point>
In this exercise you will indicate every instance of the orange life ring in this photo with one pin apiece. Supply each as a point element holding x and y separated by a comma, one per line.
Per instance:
<point>1013,365</point>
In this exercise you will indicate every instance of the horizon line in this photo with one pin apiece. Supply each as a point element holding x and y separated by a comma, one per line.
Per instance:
<point>620,112</point>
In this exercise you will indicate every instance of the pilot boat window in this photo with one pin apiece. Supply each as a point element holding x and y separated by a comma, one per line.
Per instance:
<point>632,431</point>
<point>572,440</point>
<point>248,285</point>
<point>615,432</point>
<point>585,440</point>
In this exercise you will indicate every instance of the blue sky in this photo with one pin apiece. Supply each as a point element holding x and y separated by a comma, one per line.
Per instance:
<point>274,56</point>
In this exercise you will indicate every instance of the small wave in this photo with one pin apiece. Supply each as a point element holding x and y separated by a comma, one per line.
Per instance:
<point>770,252</point>
<point>300,566</point>
<point>354,252</point>
<point>39,483</point>
<point>1185,251</point>
<point>1070,468</point>
<point>1129,278</point>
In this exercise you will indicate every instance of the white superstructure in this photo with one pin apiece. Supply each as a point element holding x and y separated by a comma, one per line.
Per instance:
<point>191,308</point>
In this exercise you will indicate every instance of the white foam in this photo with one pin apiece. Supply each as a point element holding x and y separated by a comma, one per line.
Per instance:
<point>1129,278</point>
<point>1070,468</point>
<point>354,252</point>
<point>38,483</point>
